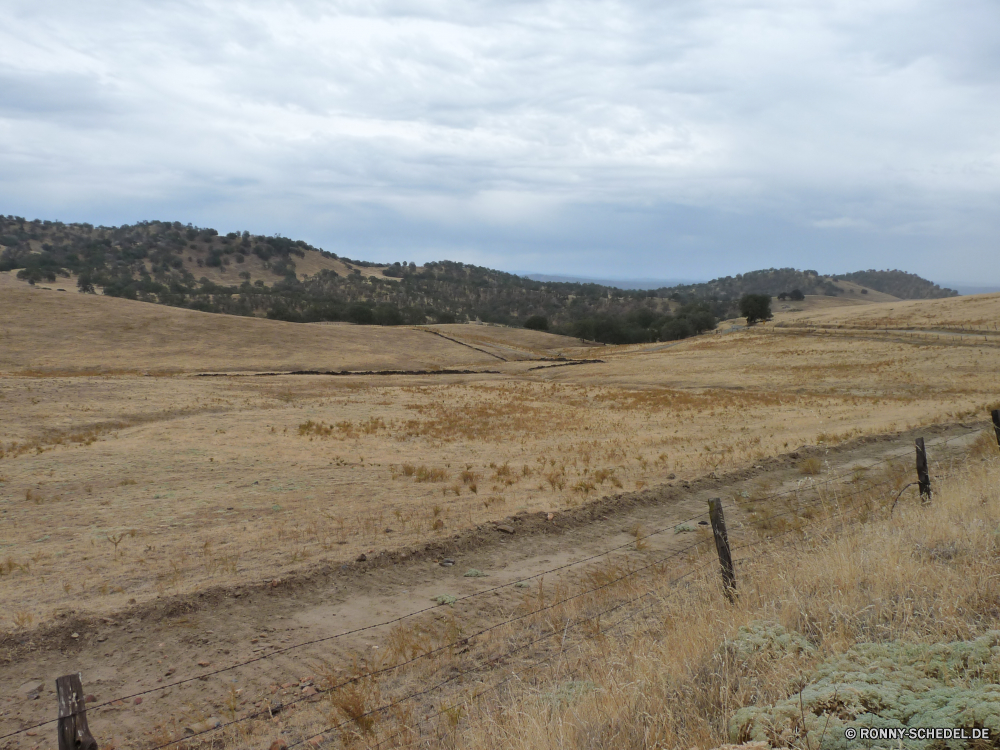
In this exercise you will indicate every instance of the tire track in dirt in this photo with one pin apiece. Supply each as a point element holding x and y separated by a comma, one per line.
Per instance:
<point>462,343</point>
<point>136,650</point>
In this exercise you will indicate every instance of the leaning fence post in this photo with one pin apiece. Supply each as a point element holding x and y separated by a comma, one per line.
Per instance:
<point>996,424</point>
<point>923,478</point>
<point>722,546</point>
<point>74,734</point>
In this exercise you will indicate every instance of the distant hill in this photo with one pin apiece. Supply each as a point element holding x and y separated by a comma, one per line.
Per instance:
<point>613,283</point>
<point>774,281</point>
<point>899,284</point>
<point>276,277</point>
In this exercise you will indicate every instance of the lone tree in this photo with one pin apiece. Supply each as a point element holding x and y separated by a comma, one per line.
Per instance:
<point>797,295</point>
<point>755,308</point>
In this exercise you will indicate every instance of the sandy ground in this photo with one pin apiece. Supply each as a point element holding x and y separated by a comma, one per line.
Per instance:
<point>124,493</point>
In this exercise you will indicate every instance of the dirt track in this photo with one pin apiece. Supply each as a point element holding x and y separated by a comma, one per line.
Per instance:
<point>180,638</point>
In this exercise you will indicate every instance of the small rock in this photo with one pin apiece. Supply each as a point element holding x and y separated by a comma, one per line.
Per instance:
<point>316,741</point>
<point>474,573</point>
<point>522,585</point>
<point>447,562</point>
<point>90,699</point>
<point>549,516</point>
<point>703,523</point>
<point>287,685</point>
<point>102,638</point>
<point>31,733</point>
<point>506,529</point>
<point>671,476</point>
<point>361,558</point>
<point>74,635</point>
<point>31,689</point>
<point>203,726</point>
<point>204,663</point>
<point>138,701</point>
<point>170,671</point>
<point>388,530</point>
<point>274,583</point>
<point>279,744</point>
<point>309,690</point>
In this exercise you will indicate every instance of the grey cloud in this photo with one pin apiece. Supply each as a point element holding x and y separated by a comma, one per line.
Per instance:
<point>74,98</point>
<point>637,133</point>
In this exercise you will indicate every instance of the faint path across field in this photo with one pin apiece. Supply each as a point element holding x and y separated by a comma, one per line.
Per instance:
<point>136,651</point>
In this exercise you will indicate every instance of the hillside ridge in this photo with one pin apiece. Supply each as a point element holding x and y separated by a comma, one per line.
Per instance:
<point>283,279</point>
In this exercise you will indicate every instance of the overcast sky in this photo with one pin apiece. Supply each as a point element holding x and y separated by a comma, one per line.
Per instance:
<point>666,139</point>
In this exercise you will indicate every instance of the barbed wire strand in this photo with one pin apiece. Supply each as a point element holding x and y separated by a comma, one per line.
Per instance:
<point>630,616</point>
<point>590,558</point>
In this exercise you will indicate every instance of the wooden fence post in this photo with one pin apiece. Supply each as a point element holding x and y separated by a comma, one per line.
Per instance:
<point>923,478</point>
<point>996,424</point>
<point>722,546</point>
<point>74,734</point>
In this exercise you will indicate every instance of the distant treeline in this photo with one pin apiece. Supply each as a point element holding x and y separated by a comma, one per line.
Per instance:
<point>155,261</point>
<point>775,281</point>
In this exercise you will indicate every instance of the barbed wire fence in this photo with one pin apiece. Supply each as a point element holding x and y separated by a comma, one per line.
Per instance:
<point>72,717</point>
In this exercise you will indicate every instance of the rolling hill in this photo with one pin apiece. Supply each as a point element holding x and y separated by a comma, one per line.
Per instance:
<point>289,280</point>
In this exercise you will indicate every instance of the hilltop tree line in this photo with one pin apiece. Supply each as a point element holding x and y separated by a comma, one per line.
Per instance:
<point>153,261</point>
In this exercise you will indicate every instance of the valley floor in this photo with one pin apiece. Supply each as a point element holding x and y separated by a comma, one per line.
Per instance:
<point>169,519</point>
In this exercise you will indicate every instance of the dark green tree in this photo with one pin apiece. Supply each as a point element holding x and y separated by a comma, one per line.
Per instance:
<point>755,308</point>
<point>537,323</point>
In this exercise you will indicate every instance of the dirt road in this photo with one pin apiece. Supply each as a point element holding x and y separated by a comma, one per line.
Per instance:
<point>346,610</point>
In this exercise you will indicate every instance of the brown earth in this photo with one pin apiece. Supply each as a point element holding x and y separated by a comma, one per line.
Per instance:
<point>144,648</point>
<point>176,519</point>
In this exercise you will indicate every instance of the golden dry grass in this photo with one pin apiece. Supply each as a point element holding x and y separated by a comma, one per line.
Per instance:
<point>979,312</point>
<point>518,343</point>
<point>227,481</point>
<point>634,655</point>
<point>65,333</point>
<point>669,679</point>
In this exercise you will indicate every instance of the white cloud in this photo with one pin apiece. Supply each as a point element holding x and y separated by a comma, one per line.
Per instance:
<point>628,132</point>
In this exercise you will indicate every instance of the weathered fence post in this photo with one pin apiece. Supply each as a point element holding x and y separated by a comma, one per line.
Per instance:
<point>74,734</point>
<point>996,424</point>
<point>722,546</point>
<point>923,478</point>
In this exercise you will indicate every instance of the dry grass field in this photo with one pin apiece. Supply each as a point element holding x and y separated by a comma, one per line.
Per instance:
<point>164,485</point>
<point>128,478</point>
<point>975,312</point>
<point>868,618</point>
<point>48,332</point>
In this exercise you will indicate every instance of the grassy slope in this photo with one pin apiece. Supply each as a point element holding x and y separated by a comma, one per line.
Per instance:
<point>73,332</point>
<point>683,675</point>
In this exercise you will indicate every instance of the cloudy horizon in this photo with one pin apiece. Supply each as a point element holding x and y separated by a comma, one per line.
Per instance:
<point>598,139</point>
